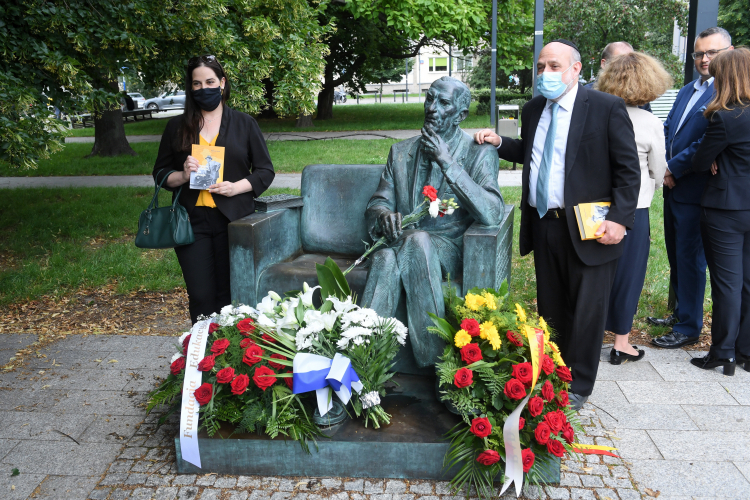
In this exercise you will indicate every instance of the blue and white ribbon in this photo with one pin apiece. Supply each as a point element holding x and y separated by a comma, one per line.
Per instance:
<point>320,374</point>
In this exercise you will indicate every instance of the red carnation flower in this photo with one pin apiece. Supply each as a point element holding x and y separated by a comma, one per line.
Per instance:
<point>225,375</point>
<point>464,378</point>
<point>555,420</point>
<point>488,457</point>
<point>207,364</point>
<point>548,392</point>
<point>245,343</point>
<point>542,433</point>
<point>185,343</point>
<point>527,457</point>
<point>471,353</point>
<point>219,346</point>
<point>177,365</point>
<point>521,423</point>
<point>524,373</point>
<point>555,447</point>
<point>203,393</point>
<point>562,399</point>
<point>470,326</point>
<point>564,373</point>
<point>264,377</point>
<point>289,381</point>
<point>239,384</point>
<point>548,366</point>
<point>268,338</point>
<point>514,338</point>
<point>535,406</point>
<point>246,326</point>
<point>481,427</point>
<point>514,389</point>
<point>278,366</point>
<point>568,433</point>
<point>430,192</point>
<point>213,327</point>
<point>252,355</point>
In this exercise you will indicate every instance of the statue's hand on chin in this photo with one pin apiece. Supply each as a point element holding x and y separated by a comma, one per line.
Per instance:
<point>390,225</point>
<point>436,148</point>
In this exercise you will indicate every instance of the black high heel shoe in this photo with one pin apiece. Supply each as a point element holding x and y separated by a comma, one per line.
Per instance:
<point>709,362</point>
<point>618,357</point>
<point>741,358</point>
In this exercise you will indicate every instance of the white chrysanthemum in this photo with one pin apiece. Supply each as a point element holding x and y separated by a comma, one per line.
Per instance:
<point>362,317</point>
<point>307,294</point>
<point>175,357</point>
<point>305,337</point>
<point>434,208</point>
<point>228,320</point>
<point>401,331</point>
<point>227,310</point>
<point>247,310</point>
<point>183,337</point>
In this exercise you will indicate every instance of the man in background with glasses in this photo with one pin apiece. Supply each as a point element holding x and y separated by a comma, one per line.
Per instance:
<point>683,130</point>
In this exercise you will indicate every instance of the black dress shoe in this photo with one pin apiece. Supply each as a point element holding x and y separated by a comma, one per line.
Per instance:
<point>741,358</point>
<point>709,362</point>
<point>673,340</point>
<point>576,401</point>
<point>618,357</point>
<point>668,321</point>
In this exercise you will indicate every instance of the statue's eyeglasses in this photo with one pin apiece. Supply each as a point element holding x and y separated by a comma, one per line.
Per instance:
<point>206,59</point>
<point>710,53</point>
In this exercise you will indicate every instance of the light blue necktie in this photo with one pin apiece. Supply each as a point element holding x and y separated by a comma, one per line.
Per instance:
<point>542,181</point>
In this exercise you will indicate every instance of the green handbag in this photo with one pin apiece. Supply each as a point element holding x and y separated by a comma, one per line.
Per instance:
<point>164,227</point>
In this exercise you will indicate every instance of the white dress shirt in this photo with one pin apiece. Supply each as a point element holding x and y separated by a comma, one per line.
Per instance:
<point>700,89</point>
<point>556,189</point>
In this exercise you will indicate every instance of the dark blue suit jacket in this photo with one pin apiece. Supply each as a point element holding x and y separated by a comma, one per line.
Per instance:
<point>682,143</point>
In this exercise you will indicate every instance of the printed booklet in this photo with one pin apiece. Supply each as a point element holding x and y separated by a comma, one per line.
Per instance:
<point>211,170</point>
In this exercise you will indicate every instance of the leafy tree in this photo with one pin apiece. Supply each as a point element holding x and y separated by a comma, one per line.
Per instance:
<point>734,17</point>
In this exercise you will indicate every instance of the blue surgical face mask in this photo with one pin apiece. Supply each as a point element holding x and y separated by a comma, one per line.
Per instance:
<point>550,83</point>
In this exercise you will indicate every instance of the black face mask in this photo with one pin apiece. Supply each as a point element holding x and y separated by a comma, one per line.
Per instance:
<point>208,99</point>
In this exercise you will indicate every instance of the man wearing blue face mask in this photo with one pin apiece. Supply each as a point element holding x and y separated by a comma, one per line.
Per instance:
<point>577,146</point>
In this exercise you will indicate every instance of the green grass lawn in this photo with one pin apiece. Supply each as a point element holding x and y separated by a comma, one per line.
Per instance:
<point>153,126</point>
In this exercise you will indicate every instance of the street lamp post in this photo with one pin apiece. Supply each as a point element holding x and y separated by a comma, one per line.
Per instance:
<point>493,62</point>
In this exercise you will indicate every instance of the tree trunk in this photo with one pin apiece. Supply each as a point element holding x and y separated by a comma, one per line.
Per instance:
<point>304,121</point>
<point>109,135</point>
<point>325,103</point>
<point>269,89</point>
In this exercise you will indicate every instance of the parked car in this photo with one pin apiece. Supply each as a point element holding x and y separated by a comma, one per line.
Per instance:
<point>138,99</point>
<point>339,97</point>
<point>167,100</point>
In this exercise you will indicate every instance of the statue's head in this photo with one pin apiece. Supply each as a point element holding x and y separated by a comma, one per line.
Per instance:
<point>446,105</point>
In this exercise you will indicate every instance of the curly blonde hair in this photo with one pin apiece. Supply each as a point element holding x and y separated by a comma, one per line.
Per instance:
<point>635,77</point>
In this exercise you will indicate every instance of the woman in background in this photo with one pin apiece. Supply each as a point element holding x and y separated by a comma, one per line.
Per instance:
<point>638,79</point>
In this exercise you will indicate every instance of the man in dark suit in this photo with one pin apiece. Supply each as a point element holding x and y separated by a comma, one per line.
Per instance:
<point>577,146</point>
<point>683,131</point>
<point>612,50</point>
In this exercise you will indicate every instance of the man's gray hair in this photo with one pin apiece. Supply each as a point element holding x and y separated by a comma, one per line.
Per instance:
<point>610,48</point>
<point>715,31</point>
<point>575,56</point>
<point>463,99</point>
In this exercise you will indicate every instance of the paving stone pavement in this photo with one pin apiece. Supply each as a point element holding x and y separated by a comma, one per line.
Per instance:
<point>74,425</point>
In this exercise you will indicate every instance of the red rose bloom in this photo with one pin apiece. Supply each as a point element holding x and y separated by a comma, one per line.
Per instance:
<point>264,377</point>
<point>488,457</point>
<point>521,423</point>
<point>278,366</point>
<point>514,338</point>
<point>213,327</point>
<point>178,365</point>
<point>430,192</point>
<point>564,373</point>
<point>246,326</point>
<point>207,364</point>
<point>481,427</point>
<point>470,326</point>
<point>252,355</point>
<point>562,399</point>
<point>203,393</point>
<point>514,389</point>
<point>185,343</point>
<point>535,406</point>
<point>219,346</point>
<point>225,375</point>
<point>548,392</point>
<point>268,338</point>
<point>527,457</point>
<point>555,421</point>
<point>464,378</point>
<point>542,433</point>
<point>555,447</point>
<point>548,366</point>
<point>245,343</point>
<point>471,353</point>
<point>524,373</point>
<point>568,434</point>
<point>289,381</point>
<point>239,384</point>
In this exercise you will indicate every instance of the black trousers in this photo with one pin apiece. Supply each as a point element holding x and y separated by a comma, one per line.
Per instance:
<point>726,235</point>
<point>205,263</point>
<point>573,298</point>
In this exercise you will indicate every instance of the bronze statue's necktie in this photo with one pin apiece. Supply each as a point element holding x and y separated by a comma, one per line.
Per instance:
<point>542,181</point>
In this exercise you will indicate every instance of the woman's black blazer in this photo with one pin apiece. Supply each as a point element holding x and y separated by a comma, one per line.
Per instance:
<point>727,140</point>
<point>246,157</point>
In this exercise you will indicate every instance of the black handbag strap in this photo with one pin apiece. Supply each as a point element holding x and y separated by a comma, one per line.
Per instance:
<point>157,187</point>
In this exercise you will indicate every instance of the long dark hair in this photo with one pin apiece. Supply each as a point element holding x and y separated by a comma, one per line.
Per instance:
<point>192,118</point>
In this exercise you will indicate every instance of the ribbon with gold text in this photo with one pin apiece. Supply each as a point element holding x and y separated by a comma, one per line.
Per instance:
<point>189,409</point>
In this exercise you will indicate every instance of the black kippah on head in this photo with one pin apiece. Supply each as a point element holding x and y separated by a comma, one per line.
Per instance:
<point>568,43</point>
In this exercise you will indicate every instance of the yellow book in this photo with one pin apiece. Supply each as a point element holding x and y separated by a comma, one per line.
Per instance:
<point>211,169</point>
<point>590,216</point>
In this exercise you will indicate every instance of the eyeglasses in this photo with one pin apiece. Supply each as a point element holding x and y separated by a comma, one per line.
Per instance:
<point>206,59</point>
<point>710,53</point>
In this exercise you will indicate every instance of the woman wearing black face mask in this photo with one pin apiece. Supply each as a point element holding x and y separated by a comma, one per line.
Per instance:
<point>248,172</point>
